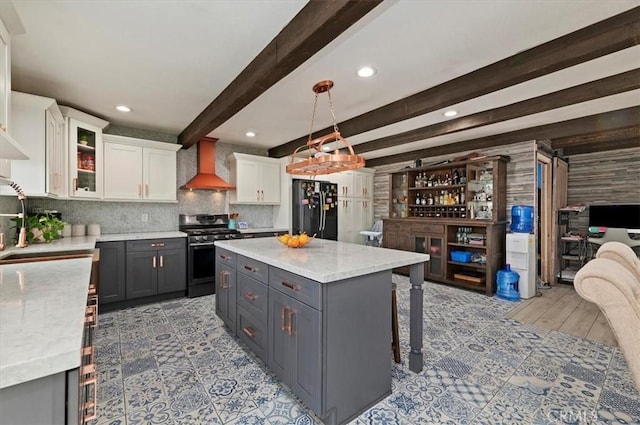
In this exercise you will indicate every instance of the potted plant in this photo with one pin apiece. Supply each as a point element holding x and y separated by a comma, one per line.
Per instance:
<point>42,227</point>
<point>84,140</point>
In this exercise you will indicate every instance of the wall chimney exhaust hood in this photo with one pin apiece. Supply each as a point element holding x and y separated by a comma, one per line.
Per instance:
<point>206,178</point>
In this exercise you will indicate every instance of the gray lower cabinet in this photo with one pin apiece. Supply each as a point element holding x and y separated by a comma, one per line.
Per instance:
<point>111,284</point>
<point>155,266</point>
<point>329,342</point>
<point>226,294</point>
<point>294,347</point>
<point>50,400</point>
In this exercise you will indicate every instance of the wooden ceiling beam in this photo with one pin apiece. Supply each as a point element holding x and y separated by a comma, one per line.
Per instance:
<point>632,132</point>
<point>606,121</point>
<point>602,38</point>
<point>601,146</point>
<point>315,26</point>
<point>593,90</point>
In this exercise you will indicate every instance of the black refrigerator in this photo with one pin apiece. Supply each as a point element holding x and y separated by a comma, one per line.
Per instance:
<point>315,208</point>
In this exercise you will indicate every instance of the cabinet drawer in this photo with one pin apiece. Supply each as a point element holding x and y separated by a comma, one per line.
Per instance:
<point>252,295</point>
<point>226,257</point>
<point>156,244</point>
<point>427,228</point>
<point>298,287</point>
<point>253,332</point>
<point>253,268</point>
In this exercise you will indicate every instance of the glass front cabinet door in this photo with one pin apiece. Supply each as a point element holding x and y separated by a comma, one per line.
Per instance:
<point>85,160</point>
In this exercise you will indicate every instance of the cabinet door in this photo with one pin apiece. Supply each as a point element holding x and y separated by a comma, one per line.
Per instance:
<point>278,346</point>
<point>142,274</point>
<point>85,160</point>
<point>159,174</point>
<point>56,154</point>
<point>111,282</point>
<point>226,294</point>
<point>270,183</point>
<point>247,176</point>
<point>172,268</point>
<point>432,245</point>
<point>305,375</point>
<point>5,76</point>
<point>122,171</point>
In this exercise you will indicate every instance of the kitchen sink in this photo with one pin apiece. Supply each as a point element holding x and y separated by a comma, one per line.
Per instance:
<point>29,257</point>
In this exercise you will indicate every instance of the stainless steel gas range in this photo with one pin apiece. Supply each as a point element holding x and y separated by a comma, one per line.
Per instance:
<point>202,231</point>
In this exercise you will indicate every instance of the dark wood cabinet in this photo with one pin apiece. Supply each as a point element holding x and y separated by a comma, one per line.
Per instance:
<point>155,266</point>
<point>112,286</point>
<point>455,207</point>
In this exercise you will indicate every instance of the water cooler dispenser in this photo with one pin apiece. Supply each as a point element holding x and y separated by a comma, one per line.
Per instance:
<point>521,254</point>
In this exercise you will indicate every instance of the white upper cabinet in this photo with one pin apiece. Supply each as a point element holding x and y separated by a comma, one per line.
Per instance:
<point>138,169</point>
<point>86,163</point>
<point>354,184</point>
<point>10,148</point>
<point>37,121</point>
<point>256,178</point>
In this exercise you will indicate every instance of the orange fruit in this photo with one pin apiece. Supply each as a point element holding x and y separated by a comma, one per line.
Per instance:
<point>294,242</point>
<point>304,239</point>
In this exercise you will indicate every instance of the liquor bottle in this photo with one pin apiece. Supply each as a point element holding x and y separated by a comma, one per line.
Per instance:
<point>441,199</point>
<point>430,199</point>
<point>456,177</point>
<point>418,201</point>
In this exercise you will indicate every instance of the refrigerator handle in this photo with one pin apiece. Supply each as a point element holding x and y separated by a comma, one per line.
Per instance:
<point>323,214</point>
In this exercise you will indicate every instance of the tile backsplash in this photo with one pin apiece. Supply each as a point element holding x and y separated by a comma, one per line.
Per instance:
<point>126,217</point>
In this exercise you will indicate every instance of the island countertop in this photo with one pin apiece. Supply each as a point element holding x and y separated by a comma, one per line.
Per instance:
<point>42,310</point>
<point>323,260</point>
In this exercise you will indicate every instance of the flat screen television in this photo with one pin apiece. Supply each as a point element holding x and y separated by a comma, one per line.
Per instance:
<point>620,216</point>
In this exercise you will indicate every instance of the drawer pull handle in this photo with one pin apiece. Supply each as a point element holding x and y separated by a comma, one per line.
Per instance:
<point>157,245</point>
<point>291,285</point>
<point>154,261</point>
<point>251,269</point>
<point>224,284</point>
<point>225,258</point>
<point>249,295</point>
<point>90,405</point>
<point>89,369</point>
<point>249,332</point>
<point>290,330</point>
<point>283,317</point>
<point>162,261</point>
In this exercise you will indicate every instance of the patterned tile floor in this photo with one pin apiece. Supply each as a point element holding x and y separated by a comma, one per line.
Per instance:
<point>173,363</point>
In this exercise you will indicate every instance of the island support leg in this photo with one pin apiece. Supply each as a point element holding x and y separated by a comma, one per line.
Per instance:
<point>416,277</point>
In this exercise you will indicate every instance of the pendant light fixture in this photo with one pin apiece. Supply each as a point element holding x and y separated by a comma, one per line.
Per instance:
<point>319,161</point>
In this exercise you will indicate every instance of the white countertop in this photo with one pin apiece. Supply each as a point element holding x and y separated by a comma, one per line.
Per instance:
<point>263,230</point>
<point>42,307</point>
<point>81,243</point>
<point>323,260</point>
<point>133,236</point>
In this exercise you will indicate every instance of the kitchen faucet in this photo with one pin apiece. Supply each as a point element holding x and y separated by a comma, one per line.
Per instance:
<point>22,237</point>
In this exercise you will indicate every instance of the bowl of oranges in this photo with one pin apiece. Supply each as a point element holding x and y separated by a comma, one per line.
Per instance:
<point>294,241</point>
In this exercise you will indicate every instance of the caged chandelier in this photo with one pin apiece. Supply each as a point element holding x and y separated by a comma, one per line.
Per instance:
<point>319,161</point>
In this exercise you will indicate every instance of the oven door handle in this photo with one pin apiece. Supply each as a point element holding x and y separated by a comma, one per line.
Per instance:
<point>201,244</point>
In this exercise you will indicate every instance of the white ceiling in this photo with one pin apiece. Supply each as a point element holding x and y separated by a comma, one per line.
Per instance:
<point>168,60</point>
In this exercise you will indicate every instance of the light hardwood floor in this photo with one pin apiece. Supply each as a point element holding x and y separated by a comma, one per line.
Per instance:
<point>560,308</point>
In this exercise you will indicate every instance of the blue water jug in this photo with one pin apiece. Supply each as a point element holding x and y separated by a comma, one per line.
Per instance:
<point>522,218</point>
<point>508,284</point>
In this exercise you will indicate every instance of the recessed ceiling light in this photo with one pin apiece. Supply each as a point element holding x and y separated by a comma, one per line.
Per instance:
<point>451,113</point>
<point>366,71</point>
<point>123,108</point>
<point>250,134</point>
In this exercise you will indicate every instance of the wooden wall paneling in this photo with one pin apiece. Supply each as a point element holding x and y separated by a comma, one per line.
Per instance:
<point>603,178</point>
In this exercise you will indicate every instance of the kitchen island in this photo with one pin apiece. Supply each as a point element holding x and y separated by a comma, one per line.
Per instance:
<point>319,316</point>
